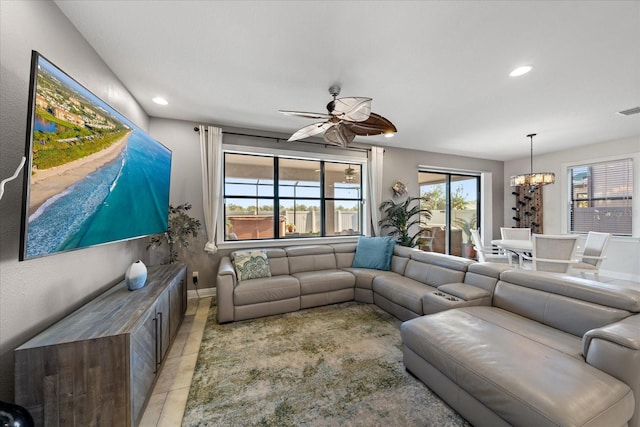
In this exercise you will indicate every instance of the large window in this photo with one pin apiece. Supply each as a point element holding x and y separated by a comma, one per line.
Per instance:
<point>271,197</point>
<point>601,197</point>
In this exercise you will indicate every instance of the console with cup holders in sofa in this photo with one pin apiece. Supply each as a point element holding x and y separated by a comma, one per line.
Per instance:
<point>550,350</point>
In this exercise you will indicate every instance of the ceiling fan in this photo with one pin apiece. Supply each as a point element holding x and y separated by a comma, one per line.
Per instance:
<point>350,174</point>
<point>346,118</point>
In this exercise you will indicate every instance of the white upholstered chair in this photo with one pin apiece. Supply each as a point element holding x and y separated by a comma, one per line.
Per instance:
<point>590,259</point>
<point>553,253</point>
<point>425,240</point>
<point>487,254</point>
<point>508,233</point>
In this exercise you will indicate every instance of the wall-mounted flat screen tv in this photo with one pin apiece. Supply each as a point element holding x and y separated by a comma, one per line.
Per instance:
<point>92,176</point>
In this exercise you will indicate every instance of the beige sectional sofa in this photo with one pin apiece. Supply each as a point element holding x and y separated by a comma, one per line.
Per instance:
<point>314,275</point>
<point>501,346</point>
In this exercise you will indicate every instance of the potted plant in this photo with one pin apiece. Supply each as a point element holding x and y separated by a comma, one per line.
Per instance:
<point>401,216</point>
<point>181,228</point>
<point>466,227</point>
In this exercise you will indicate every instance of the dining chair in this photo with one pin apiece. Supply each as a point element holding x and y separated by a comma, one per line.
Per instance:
<point>509,233</point>
<point>485,254</point>
<point>425,240</point>
<point>590,259</point>
<point>553,253</point>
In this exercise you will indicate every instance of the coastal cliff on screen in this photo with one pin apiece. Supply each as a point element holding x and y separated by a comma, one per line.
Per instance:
<point>94,176</point>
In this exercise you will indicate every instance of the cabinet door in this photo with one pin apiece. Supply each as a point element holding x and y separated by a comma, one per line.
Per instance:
<point>175,309</point>
<point>144,362</point>
<point>163,315</point>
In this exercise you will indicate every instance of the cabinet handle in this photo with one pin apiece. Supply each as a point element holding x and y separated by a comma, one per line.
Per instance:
<point>161,355</point>
<point>155,327</point>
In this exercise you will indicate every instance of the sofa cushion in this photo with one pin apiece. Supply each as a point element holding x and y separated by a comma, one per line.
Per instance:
<point>401,290</point>
<point>313,282</point>
<point>374,252</point>
<point>571,315</point>
<point>430,274</point>
<point>310,258</point>
<point>251,265</point>
<point>514,372</point>
<point>578,288</point>
<point>344,254</point>
<point>269,289</point>
<point>365,276</point>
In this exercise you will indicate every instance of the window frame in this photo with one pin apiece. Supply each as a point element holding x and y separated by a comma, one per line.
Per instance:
<point>360,161</point>
<point>565,183</point>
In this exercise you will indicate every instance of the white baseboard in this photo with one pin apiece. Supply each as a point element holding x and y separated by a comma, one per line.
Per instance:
<point>618,275</point>
<point>202,293</point>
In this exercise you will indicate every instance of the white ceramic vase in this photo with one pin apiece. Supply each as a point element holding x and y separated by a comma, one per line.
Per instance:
<point>136,275</point>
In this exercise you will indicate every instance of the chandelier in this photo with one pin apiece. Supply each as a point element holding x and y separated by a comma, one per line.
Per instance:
<point>532,179</point>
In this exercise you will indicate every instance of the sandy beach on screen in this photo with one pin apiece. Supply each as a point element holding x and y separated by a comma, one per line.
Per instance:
<point>47,183</point>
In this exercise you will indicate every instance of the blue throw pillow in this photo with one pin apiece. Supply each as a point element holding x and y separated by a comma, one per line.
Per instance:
<point>374,252</point>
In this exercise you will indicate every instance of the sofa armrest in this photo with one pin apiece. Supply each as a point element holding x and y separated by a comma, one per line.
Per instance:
<point>625,333</point>
<point>454,295</point>
<point>225,283</point>
<point>615,349</point>
<point>465,291</point>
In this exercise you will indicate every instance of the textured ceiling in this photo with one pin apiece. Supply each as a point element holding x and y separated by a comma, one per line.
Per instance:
<point>438,70</point>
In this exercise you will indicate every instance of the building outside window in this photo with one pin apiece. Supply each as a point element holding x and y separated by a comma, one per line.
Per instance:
<point>278,197</point>
<point>601,197</point>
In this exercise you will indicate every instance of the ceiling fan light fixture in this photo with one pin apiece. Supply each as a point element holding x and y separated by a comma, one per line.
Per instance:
<point>389,134</point>
<point>345,119</point>
<point>532,179</point>
<point>520,71</point>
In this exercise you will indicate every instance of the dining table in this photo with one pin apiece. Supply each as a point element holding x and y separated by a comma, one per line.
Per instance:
<point>514,245</point>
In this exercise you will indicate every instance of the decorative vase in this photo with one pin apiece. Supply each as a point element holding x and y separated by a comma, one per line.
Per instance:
<point>14,415</point>
<point>136,275</point>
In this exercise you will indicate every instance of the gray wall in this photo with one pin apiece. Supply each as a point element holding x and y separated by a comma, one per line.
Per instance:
<point>399,164</point>
<point>36,293</point>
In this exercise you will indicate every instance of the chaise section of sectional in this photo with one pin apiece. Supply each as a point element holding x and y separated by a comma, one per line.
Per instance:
<point>550,350</point>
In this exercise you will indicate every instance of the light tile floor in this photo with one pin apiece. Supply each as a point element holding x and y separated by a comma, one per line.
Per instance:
<point>169,397</point>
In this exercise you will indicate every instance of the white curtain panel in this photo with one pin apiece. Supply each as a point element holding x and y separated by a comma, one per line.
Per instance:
<point>375,161</point>
<point>211,162</point>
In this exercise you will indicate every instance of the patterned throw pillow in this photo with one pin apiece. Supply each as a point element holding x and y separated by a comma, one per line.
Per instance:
<point>251,265</point>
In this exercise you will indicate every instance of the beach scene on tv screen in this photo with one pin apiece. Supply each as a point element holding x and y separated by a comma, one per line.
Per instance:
<point>95,176</point>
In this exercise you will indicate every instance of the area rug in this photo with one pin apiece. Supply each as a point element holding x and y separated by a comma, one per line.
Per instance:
<point>338,365</point>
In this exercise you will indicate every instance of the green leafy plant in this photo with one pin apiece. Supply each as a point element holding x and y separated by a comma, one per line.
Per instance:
<point>466,227</point>
<point>181,228</point>
<point>401,216</point>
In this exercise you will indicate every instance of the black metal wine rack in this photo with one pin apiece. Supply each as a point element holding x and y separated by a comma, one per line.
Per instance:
<point>527,212</point>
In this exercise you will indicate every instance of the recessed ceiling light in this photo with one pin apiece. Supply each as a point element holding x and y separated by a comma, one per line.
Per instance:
<point>160,101</point>
<point>520,71</point>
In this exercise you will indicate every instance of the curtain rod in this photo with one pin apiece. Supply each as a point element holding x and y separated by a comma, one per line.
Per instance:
<point>278,140</point>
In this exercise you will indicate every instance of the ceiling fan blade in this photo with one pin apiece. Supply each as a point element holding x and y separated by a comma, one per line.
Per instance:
<point>310,130</point>
<point>339,135</point>
<point>374,125</point>
<point>306,114</point>
<point>354,109</point>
